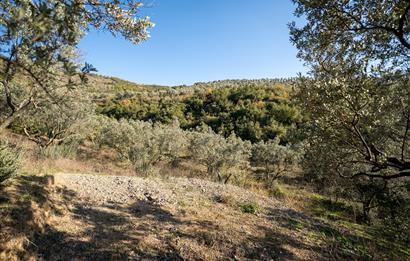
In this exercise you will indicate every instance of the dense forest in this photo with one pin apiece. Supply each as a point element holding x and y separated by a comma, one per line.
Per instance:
<point>253,110</point>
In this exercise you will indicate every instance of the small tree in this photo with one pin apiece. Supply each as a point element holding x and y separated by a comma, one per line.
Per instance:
<point>144,151</point>
<point>173,142</point>
<point>136,141</point>
<point>119,135</point>
<point>218,154</point>
<point>9,162</point>
<point>48,123</point>
<point>272,160</point>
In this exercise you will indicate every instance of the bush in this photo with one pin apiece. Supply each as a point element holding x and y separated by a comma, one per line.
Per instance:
<point>9,162</point>
<point>272,160</point>
<point>54,152</point>
<point>172,141</point>
<point>119,135</point>
<point>218,154</point>
<point>135,141</point>
<point>250,207</point>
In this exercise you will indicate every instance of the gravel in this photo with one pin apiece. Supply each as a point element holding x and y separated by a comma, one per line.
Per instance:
<point>103,189</point>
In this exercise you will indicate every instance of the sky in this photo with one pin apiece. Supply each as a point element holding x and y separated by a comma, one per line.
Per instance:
<point>201,41</point>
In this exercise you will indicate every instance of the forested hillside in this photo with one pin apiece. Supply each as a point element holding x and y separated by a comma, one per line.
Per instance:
<point>254,110</point>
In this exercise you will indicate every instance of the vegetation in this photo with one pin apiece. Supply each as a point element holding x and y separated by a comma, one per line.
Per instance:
<point>39,43</point>
<point>146,144</point>
<point>358,101</point>
<point>333,144</point>
<point>218,154</point>
<point>254,111</point>
<point>9,162</point>
<point>250,207</point>
<point>273,160</point>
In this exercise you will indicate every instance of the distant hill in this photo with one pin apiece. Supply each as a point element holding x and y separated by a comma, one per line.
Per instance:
<point>254,110</point>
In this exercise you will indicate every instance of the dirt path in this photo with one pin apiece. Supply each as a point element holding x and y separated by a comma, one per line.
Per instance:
<point>129,218</point>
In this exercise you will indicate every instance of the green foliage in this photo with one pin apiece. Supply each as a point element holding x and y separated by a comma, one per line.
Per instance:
<point>273,160</point>
<point>374,33</point>
<point>39,39</point>
<point>250,207</point>
<point>145,144</point>
<point>347,242</point>
<point>49,123</point>
<point>141,143</point>
<point>218,154</point>
<point>9,162</point>
<point>173,142</point>
<point>253,111</point>
<point>357,99</point>
<point>132,140</point>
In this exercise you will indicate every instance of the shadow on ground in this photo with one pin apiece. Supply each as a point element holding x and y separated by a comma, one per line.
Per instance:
<point>145,231</point>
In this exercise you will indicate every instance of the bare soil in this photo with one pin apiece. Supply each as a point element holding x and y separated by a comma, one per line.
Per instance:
<point>98,217</point>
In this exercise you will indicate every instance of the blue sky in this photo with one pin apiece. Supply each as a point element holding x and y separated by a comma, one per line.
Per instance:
<point>201,40</point>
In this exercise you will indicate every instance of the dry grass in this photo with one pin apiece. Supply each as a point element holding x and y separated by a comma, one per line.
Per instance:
<point>204,221</point>
<point>24,211</point>
<point>201,222</point>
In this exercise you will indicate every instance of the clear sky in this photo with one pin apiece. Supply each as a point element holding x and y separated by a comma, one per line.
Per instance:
<point>202,40</point>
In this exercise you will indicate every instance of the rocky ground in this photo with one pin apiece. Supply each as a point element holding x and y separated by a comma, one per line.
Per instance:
<point>103,189</point>
<point>98,217</point>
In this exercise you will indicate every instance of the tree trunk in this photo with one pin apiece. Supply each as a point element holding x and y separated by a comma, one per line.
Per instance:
<point>16,113</point>
<point>6,123</point>
<point>227,179</point>
<point>366,212</point>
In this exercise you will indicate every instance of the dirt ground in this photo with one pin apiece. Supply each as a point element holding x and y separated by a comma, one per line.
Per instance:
<point>95,217</point>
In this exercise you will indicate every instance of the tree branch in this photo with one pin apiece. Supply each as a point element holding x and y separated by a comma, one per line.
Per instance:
<point>403,146</point>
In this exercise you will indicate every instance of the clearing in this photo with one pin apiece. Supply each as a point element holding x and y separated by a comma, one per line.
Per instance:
<point>101,217</point>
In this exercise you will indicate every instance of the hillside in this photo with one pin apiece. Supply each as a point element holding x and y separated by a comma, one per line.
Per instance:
<point>99,217</point>
<point>254,110</point>
<point>313,167</point>
<point>137,186</point>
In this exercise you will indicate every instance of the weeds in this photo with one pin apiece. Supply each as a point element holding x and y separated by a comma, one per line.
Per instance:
<point>250,207</point>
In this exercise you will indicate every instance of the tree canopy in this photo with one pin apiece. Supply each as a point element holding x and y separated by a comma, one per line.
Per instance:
<point>38,42</point>
<point>375,33</point>
<point>357,95</point>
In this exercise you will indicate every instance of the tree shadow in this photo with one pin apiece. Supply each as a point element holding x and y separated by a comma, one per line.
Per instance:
<point>24,210</point>
<point>125,231</point>
<point>110,232</point>
<point>335,244</point>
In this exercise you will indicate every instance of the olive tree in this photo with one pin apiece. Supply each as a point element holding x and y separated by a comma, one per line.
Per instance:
<point>218,154</point>
<point>271,160</point>
<point>357,94</point>
<point>118,135</point>
<point>134,141</point>
<point>375,33</point>
<point>42,126</point>
<point>9,162</point>
<point>173,142</point>
<point>38,46</point>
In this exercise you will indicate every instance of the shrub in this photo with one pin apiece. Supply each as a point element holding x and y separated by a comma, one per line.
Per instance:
<point>218,154</point>
<point>250,207</point>
<point>119,135</point>
<point>172,141</point>
<point>272,160</point>
<point>9,162</point>
<point>136,141</point>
